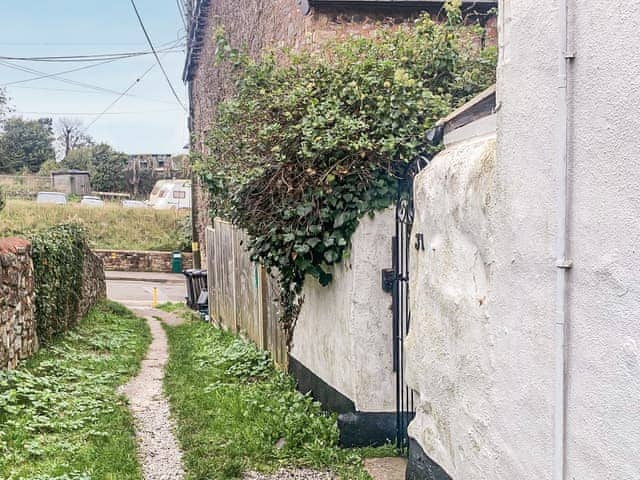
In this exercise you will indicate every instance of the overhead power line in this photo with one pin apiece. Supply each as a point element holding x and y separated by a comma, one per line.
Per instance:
<point>54,76</point>
<point>88,58</point>
<point>164,72</point>
<point>140,112</point>
<point>71,82</point>
<point>183,17</point>
<point>77,44</point>
<point>48,75</point>
<point>104,112</point>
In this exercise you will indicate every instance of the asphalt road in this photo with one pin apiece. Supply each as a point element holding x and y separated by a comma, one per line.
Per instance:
<point>137,290</point>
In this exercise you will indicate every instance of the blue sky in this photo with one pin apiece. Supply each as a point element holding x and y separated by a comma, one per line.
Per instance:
<point>150,122</point>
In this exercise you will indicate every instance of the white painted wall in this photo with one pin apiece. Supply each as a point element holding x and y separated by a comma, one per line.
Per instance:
<point>481,343</point>
<point>344,331</point>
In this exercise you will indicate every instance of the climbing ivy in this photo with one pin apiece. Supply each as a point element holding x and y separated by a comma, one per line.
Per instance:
<point>312,142</point>
<point>58,257</point>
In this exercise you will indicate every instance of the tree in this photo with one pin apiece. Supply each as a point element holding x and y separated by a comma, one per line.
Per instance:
<point>79,159</point>
<point>106,166</point>
<point>48,167</point>
<point>3,103</point>
<point>25,144</point>
<point>70,134</point>
<point>109,169</point>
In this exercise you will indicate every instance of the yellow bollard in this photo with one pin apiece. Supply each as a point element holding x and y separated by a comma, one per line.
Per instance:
<point>154,303</point>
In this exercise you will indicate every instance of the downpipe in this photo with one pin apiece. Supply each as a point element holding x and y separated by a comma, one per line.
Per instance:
<point>563,264</point>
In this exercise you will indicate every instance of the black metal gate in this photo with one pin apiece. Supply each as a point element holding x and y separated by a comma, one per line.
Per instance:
<point>401,244</point>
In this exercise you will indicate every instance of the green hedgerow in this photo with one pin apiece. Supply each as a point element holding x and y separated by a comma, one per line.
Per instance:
<point>58,258</point>
<point>313,142</point>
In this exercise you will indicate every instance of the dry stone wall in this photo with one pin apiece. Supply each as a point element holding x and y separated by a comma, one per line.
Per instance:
<point>94,286</point>
<point>18,324</point>
<point>140,261</point>
<point>18,339</point>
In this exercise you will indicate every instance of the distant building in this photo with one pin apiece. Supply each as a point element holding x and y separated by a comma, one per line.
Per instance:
<point>73,182</point>
<point>156,162</point>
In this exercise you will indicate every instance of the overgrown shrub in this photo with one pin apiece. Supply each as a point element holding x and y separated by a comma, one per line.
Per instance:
<point>3,199</point>
<point>311,144</point>
<point>58,257</point>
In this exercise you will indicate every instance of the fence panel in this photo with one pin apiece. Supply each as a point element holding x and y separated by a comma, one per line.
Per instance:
<point>212,280</point>
<point>224,266</point>
<point>248,294</point>
<point>242,297</point>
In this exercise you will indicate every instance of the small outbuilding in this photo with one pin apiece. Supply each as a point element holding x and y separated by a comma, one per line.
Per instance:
<point>72,182</point>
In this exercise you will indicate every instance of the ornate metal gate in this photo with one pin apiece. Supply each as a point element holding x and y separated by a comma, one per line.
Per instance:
<point>401,244</point>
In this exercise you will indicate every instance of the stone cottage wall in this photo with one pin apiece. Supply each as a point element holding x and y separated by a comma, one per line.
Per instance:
<point>275,25</point>
<point>18,338</point>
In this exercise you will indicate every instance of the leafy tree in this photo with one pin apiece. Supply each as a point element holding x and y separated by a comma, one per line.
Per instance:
<point>79,159</point>
<point>106,166</point>
<point>48,167</point>
<point>25,144</point>
<point>109,169</point>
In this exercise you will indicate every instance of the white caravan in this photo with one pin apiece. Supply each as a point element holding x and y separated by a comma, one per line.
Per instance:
<point>171,194</point>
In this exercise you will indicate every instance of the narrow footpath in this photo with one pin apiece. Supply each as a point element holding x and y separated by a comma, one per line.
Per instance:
<point>158,449</point>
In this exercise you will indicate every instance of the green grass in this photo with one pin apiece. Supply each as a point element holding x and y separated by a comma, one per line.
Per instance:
<point>180,309</point>
<point>232,408</point>
<point>60,415</point>
<point>111,227</point>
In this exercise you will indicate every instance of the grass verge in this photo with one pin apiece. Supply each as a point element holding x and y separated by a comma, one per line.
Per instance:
<point>235,413</point>
<point>111,227</point>
<point>180,309</point>
<point>60,415</point>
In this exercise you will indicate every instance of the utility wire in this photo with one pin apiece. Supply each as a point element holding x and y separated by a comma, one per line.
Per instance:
<point>104,112</point>
<point>183,17</point>
<point>49,75</point>
<point>140,112</point>
<point>73,82</point>
<point>126,92</point>
<point>164,72</point>
<point>88,58</point>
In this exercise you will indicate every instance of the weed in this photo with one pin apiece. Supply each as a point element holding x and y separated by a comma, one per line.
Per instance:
<point>235,412</point>
<point>60,415</point>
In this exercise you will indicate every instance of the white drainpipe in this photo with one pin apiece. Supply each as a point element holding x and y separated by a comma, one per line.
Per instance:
<point>563,264</point>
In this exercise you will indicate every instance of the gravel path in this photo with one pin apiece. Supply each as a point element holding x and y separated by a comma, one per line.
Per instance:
<point>158,449</point>
<point>290,475</point>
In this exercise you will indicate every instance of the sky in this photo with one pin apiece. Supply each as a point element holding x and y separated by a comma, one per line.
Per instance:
<point>149,121</point>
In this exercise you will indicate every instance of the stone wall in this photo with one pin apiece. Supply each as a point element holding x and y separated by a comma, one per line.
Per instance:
<point>18,338</point>
<point>274,25</point>
<point>18,329</point>
<point>94,287</point>
<point>140,261</point>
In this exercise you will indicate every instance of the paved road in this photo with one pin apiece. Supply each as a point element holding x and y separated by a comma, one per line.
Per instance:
<point>136,290</point>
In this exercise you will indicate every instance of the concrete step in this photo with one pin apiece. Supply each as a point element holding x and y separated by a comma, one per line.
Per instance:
<point>387,468</point>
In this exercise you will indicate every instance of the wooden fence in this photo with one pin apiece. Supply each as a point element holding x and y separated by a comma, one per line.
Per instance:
<point>242,297</point>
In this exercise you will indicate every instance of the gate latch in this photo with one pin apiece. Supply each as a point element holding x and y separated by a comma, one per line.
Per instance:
<point>388,277</point>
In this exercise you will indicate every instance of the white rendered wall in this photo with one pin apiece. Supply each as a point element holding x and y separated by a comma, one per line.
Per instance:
<point>344,331</point>
<point>481,342</point>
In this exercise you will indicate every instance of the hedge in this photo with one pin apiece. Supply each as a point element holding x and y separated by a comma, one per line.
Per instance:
<point>58,259</point>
